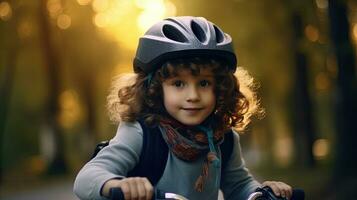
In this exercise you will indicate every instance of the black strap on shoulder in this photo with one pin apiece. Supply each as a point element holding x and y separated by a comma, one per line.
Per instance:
<point>226,148</point>
<point>99,147</point>
<point>153,155</point>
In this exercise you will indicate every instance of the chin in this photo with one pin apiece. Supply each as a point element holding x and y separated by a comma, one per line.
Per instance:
<point>191,123</point>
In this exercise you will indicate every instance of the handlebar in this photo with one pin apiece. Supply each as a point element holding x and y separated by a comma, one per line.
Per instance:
<point>117,194</point>
<point>264,193</point>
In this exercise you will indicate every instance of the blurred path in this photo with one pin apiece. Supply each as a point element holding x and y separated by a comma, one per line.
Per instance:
<point>61,191</point>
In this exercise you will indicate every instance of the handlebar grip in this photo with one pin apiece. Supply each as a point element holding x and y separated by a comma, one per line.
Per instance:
<point>116,194</point>
<point>266,193</point>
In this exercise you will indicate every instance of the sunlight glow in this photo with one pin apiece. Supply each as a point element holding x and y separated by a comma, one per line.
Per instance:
<point>5,11</point>
<point>154,11</point>
<point>170,9</point>
<point>146,3</point>
<point>127,20</point>
<point>64,21</point>
<point>83,2</point>
<point>147,19</point>
<point>321,148</point>
<point>100,5</point>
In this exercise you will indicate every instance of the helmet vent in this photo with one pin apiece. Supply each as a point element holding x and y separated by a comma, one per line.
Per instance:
<point>219,34</point>
<point>173,33</point>
<point>198,31</point>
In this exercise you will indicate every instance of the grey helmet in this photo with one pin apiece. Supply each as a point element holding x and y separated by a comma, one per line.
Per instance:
<point>179,37</point>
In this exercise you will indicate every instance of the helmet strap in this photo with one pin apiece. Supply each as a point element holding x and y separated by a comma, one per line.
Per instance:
<point>149,78</point>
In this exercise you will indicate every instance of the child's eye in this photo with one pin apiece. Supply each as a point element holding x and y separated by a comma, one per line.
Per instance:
<point>178,83</point>
<point>205,83</point>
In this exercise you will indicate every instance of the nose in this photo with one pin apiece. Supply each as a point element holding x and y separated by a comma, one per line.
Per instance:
<point>192,94</point>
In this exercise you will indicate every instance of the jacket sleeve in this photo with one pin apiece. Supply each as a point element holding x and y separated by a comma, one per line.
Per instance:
<point>113,161</point>
<point>236,181</point>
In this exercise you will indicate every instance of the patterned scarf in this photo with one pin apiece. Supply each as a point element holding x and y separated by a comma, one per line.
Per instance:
<point>189,143</point>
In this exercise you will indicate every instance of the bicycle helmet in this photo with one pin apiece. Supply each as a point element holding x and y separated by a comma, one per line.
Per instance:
<point>180,37</point>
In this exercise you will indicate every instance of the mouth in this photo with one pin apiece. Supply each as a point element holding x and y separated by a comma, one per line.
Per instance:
<point>192,109</point>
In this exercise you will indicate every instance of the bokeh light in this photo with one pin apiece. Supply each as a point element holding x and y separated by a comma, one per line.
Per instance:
<point>283,150</point>
<point>70,108</point>
<point>331,66</point>
<point>64,21</point>
<point>100,20</point>
<point>54,8</point>
<point>25,29</point>
<point>36,165</point>
<point>311,33</point>
<point>322,4</point>
<point>100,5</point>
<point>322,81</point>
<point>83,2</point>
<point>5,11</point>
<point>321,148</point>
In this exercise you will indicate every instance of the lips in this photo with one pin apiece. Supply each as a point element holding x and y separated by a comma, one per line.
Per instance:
<point>192,109</point>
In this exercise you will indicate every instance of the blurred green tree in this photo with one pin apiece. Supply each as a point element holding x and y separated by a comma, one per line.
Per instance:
<point>8,68</point>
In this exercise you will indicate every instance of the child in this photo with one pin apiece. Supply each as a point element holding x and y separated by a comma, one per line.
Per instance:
<point>184,89</point>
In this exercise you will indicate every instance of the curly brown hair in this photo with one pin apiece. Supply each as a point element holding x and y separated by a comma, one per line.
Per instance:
<point>140,95</point>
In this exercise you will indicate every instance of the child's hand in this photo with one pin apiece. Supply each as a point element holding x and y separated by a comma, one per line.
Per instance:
<point>279,188</point>
<point>137,188</point>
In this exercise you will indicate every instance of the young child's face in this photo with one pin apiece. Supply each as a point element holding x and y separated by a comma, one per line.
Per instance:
<point>190,99</point>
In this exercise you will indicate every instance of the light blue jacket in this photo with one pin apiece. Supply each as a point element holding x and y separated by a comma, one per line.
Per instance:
<point>123,153</point>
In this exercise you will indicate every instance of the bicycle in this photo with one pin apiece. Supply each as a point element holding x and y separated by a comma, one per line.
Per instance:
<point>264,193</point>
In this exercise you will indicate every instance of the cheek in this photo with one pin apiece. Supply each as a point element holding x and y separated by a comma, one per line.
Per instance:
<point>213,103</point>
<point>211,99</point>
<point>169,99</point>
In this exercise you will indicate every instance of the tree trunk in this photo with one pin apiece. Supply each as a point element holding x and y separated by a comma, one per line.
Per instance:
<point>304,130</point>
<point>345,173</point>
<point>52,64</point>
<point>5,94</point>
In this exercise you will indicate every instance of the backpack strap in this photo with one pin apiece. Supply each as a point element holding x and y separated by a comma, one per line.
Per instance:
<point>153,157</point>
<point>226,149</point>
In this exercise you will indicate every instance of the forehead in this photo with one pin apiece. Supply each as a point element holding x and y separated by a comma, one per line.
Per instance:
<point>190,72</point>
<point>188,69</point>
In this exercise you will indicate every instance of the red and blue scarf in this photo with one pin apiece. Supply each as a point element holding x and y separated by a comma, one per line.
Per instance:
<point>188,143</point>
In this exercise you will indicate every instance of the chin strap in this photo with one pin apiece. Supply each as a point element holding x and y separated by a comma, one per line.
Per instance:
<point>149,78</point>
